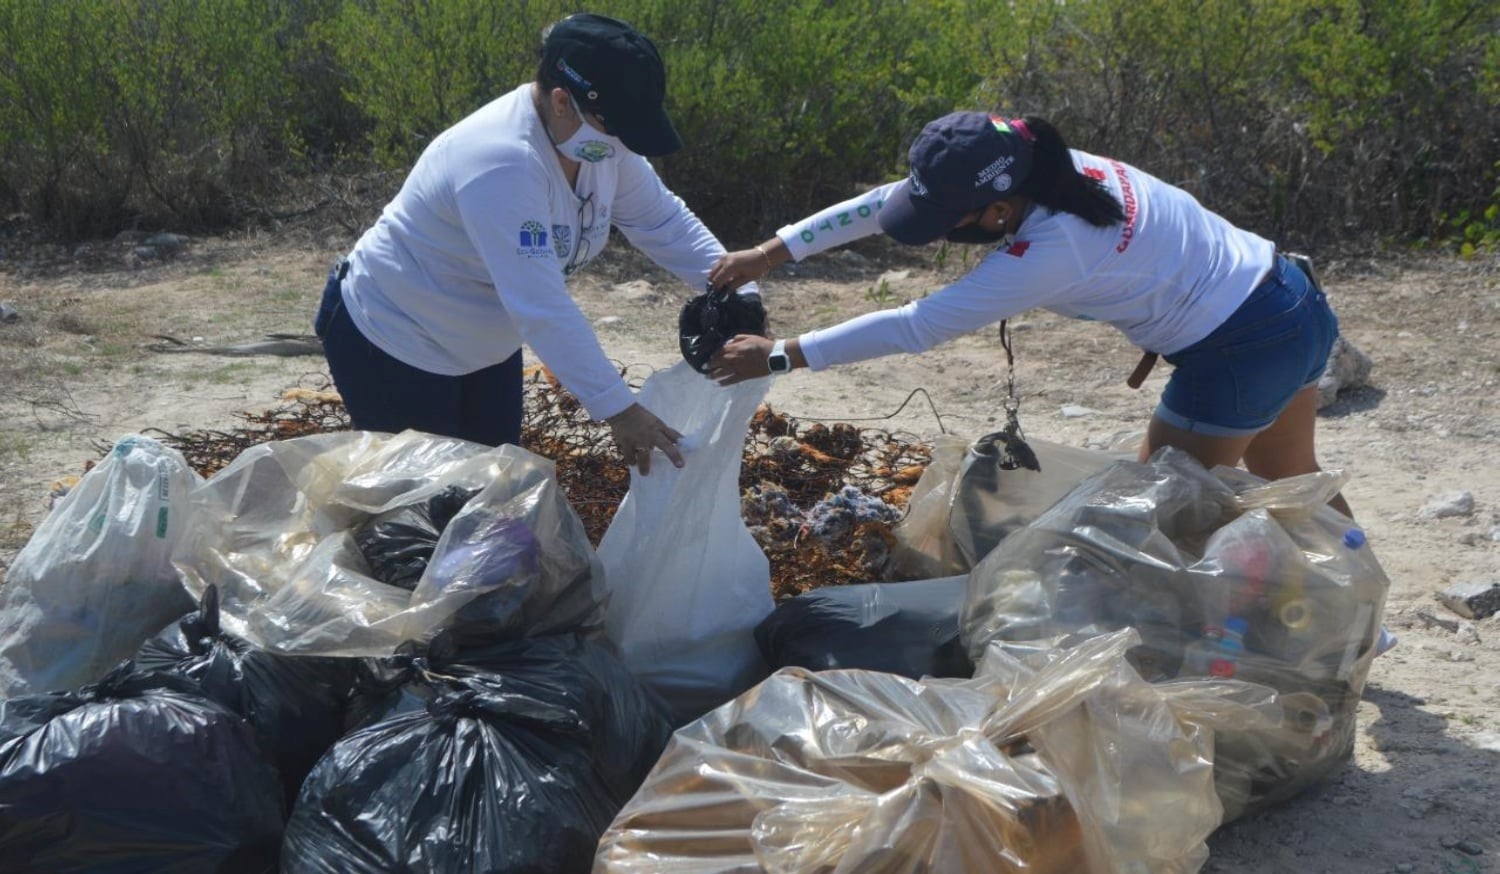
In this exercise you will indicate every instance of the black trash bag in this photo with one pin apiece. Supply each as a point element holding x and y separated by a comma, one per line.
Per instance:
<point>709,320</point>
<point>476,781</point>
<point>135,773</point>
<point>909,629</point>
<point>398,543</point>
<point>295,703</point>
<point>625,724</point>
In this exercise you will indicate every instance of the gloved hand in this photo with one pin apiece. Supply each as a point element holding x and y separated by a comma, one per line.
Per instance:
<point>711,318</point>
<point>637,432</point>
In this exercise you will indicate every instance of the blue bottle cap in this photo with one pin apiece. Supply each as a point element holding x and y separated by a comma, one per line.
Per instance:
<point>1237,625</point>
<point>1354,538</point>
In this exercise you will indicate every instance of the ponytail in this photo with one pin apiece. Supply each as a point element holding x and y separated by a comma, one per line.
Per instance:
<point>1056,184</point>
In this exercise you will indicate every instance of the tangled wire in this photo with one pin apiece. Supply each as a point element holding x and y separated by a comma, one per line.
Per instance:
<point>820,499</point>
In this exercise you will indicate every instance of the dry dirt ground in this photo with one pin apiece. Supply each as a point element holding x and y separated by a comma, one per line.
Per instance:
<point>1422,794</point>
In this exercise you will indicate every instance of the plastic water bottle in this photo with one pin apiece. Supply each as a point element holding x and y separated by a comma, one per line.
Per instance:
<point>1231,648</point>
<point>1217,653</point>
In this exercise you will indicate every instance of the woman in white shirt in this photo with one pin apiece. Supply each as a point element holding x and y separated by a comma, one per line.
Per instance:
<point>1248,334</point>
<point>423,323</point>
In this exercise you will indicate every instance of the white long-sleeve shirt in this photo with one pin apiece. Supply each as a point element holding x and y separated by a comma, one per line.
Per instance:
<point>1166,277</point>
<point>467,262</point>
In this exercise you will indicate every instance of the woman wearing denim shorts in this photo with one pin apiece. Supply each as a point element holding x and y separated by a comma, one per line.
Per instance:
<point>1247,332</point>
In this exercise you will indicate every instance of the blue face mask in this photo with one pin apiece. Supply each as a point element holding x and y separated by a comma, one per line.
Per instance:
<point>588,143</point>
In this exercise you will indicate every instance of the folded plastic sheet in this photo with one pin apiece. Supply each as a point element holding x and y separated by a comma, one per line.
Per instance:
<point>136,773</point>
<point>274,532</point>
<point>1066,763</point>
<point>96,579</point>
<point>1222,573</point>
<point>906,628</point>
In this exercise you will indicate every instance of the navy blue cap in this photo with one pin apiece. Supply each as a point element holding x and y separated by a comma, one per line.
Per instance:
<point>959,163</point>
<point>616,73</point>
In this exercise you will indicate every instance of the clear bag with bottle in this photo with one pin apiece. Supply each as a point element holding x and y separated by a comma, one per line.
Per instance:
<point>1065,762</point>
<point>275,532</point>
<point>1290,598</point>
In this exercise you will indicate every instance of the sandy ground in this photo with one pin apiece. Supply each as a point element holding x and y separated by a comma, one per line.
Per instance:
<point>1421,794</point>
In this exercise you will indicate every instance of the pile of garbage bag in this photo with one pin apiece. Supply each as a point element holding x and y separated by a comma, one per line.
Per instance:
<point>366,652</point>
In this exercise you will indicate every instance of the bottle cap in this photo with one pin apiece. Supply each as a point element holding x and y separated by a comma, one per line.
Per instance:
<point>1354,538</point>
<point>1237,625</point>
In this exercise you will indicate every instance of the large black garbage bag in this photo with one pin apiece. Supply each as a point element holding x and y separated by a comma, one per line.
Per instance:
<point>624,723</point>
<point>399,543</point>
<point>295,703</point>
<point>137,773</point>
<point>907,628</point>
<point>476,781</point>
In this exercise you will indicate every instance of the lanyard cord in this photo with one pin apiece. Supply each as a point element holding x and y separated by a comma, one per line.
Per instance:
<point>1016,453</point>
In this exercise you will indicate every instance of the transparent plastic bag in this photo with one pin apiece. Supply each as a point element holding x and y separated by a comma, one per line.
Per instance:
<point>924,549</point>
<point>1224,575</point>
<point>964,503</point>
<point>96,579</point>
<point>274,532</point>
<point>1065,763</point>
<point>688,583</point>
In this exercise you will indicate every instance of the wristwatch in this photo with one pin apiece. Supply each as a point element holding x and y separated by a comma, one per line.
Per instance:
<point>778,360</point>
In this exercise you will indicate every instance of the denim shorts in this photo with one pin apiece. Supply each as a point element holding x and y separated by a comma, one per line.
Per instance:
<point>1237,380</point>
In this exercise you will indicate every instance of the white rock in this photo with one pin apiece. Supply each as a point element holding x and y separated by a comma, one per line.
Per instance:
<point>1448,505</point>
<point>1347,368</point>
<point>1073,411</point>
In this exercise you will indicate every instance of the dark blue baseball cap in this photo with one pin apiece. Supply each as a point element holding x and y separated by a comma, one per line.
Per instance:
<point>615,72</point>
<point>959,164</point>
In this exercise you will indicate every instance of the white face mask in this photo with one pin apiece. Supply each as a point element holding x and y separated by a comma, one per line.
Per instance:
<point>588,143</point>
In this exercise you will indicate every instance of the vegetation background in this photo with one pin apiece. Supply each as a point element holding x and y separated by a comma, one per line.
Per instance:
<point>1318,123</point>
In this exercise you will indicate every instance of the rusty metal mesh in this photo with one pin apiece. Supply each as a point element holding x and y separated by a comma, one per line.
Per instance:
<point>820,499</point>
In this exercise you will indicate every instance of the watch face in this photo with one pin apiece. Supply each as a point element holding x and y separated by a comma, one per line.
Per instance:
<point>781,363</point>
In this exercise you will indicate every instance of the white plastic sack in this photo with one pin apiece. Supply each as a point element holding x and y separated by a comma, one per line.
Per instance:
<point>96,579</point>
<point>688,583</point>
<point>274,531</point>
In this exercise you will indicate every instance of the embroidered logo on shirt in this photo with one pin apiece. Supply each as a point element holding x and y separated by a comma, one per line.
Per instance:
<point>533,240</point>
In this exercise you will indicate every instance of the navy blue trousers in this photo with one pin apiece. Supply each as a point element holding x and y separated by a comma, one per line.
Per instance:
<point>383,393</point>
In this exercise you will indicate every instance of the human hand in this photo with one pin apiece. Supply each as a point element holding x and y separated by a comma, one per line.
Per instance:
<point>734,269</point>
<point>637,432</point>
<point>743,357</point>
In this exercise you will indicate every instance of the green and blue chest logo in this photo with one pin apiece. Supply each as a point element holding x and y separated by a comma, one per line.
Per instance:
<point>533,240</point>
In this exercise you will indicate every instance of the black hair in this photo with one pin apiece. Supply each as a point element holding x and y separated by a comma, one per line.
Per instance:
<point>1056,184</point>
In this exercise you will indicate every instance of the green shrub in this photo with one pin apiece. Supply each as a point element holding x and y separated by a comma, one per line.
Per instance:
<point>414,67</point>
<point>1311,121</point>
<point>145,112</point>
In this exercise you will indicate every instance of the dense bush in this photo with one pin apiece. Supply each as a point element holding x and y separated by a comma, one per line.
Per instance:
<point>115,112</point>
<point>1312,121</point>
